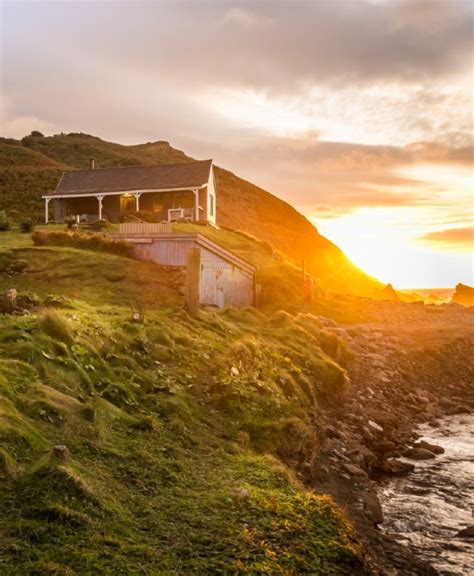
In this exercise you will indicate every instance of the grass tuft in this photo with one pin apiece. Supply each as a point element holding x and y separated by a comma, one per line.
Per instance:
<point>57,327</point>
<point>7,465</point>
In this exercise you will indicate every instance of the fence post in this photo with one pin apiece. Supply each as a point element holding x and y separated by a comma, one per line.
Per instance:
<point>193,280</point>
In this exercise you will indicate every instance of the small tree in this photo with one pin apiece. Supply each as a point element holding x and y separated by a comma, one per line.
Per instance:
<point>37,134</point>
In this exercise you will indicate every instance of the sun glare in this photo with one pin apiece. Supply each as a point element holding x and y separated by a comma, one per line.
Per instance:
<point>385,242</point>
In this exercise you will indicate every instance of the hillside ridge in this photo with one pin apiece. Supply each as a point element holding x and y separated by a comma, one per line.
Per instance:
<point>241,205</point>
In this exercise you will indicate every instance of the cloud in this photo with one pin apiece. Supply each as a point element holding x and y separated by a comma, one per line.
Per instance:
<point>245,18</point>
<point>301,43</point>
<point>451,238</point>
<point>17,126</point>
<point>423,14</point>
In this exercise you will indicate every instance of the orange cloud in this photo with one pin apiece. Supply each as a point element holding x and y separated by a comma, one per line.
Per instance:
<point>451,237</point>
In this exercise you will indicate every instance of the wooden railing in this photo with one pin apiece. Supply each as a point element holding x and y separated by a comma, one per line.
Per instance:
<point>136,228</point>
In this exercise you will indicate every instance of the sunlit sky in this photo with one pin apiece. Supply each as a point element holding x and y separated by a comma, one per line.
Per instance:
<point>358,112</point>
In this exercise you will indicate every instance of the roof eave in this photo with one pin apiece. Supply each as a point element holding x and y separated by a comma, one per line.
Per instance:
<point>87,193</point>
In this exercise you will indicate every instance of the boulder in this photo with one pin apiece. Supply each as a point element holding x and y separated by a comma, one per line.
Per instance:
<point>461,410</point>
<point>394,467</point>
<point>372,507</point>
<point>427,446</point>
<point>355,471</point>
<point>362,456</point>
<point>419,454</point>
<point>466,532</point>
<point>383,446</point>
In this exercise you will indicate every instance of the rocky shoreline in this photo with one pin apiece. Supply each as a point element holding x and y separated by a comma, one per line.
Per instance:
<point>406,371</point>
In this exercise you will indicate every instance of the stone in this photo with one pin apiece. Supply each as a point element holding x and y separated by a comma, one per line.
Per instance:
<point>372,507</point>
<point>376,358</point>
<point>240,494</point>
<point>418,454</point>
<point>466,532</point>
<point>363,457</point>
<point>10,300</point>
<point>234,371</point>
<point>461,410</point>
<point>394,467</point>
<point>60,453</point>
<point>374,426</point>
<point>355,471</point>
<point>427,446</point>
<point>332,432</point>
<point>383,446</point>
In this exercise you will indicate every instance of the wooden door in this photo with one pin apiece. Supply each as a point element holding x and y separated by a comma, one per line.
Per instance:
<point>127,204</point>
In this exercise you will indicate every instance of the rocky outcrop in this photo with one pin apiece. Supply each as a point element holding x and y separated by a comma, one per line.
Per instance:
<point>464,295</point>
<point>389,293</point>
<point>402,374</point>
<point>418,454</point>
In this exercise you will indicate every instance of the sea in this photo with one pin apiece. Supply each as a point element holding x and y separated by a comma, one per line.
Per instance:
<point>427,509</point>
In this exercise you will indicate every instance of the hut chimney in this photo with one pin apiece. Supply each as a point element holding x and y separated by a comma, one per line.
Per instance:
<point>92,163</point>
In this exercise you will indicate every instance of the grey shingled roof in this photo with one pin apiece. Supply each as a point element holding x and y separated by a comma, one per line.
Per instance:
<point>116,179</point>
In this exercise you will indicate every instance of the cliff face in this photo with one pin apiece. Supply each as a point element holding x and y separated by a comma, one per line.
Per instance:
<point>32,166</point>
<point>463,295</point>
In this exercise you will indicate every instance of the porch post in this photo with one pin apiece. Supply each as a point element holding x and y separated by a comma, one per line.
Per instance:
<point>46,209</point>
<point>99,198</point>
<point>137,201</point>
<point>196,205</point>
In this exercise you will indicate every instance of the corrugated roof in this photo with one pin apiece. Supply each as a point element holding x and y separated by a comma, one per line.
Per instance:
<point>116,179</point>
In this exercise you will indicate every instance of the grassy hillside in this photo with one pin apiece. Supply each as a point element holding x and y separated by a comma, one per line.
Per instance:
<point>240,204</point>
<point>182,443</point>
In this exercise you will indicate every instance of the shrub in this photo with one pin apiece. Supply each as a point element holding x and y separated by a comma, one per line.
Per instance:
<point>85,241</point>
<point>27,225</point>
<point>100,225</point>
<point>4,221</point>
<point>28,299</point>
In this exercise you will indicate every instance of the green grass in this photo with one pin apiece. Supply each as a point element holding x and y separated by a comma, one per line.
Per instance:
<point>189,437</point>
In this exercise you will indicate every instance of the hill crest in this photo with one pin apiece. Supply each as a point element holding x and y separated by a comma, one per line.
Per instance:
<point>32,166</point>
